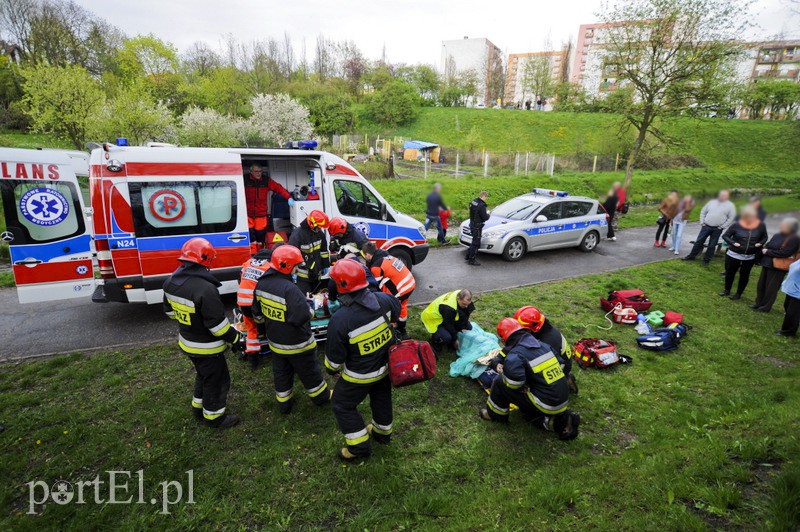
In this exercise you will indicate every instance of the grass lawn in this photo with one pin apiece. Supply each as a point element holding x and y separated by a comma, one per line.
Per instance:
<point>21,139</point>
<point>723,144</point>
<point>701,437</point>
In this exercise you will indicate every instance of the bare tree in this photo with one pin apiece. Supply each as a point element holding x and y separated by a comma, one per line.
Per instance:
<point>288,56</point>
<point>201,59</point>
<point>323,58</point>
<point>662,49</point>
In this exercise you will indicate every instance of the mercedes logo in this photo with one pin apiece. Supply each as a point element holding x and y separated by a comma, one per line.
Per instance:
<point>7,236</point>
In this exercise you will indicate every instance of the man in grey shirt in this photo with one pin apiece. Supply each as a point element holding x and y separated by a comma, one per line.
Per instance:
<point>717,215</point>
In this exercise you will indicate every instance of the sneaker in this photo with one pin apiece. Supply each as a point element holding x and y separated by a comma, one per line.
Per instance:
<point>724,293</point>
<point>474,262</point>
<point>347,456</point>
<point>676,253</point>
<point>656,244</point>
<point>672,248</point>
<point>736,297</point>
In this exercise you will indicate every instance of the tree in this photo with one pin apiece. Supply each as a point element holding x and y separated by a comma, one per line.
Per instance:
<point>147,55</point>
<point>663,48</point>
<point>61,100</point>
<point>134,114</point>
<point>208,128</point>
<point>200,60</point>
<point>537,76</point>
<point>276,119</point>
<point>393,104</point>
<point>493,72</point>
<point>427,81</point>
<point>330,108</point>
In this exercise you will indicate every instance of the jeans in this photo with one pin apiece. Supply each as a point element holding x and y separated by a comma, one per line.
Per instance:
<point>711,234</point>
<point>677,235</point>
<point>735,265</point>
<point>440,236</point>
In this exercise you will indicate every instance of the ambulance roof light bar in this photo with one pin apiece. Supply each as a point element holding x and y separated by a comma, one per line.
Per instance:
<point>549,192</point>
<point>301,144</point>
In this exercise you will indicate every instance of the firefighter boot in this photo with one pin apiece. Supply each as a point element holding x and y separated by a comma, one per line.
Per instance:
<point>225,422</point>
<point>572,383</point>
<point>383,439</point>
<point>347,456</point>
<point>484,414</point>
<point>401,330</point>
<point>197,413</point>
<point>566,425</point>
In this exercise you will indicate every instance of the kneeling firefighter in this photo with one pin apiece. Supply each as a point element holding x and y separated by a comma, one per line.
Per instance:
<point>543,330</point>
<point>252,270</point>
<point>359,338</point>
<point>286,315</point>
<point>531,378</point>
<point>191,296</point>
<point>394,278</point>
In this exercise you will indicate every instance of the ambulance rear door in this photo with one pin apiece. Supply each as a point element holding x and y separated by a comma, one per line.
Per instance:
<point>49,239</point>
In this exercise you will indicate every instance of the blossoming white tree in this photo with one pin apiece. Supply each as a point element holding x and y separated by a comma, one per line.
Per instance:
<point>276,119</point>
<point>208,128</point>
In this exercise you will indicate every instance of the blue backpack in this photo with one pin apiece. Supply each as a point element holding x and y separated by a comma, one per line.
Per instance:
<point>663,338</point>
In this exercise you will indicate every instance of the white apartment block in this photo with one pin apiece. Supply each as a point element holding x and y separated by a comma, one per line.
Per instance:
<point>464,54</point>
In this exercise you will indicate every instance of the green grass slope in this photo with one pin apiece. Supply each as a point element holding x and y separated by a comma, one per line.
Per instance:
<point>723,144</point>
<point>699,438</point>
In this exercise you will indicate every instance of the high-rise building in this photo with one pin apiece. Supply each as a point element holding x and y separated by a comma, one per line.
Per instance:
<point>518,89</point>
<point>482,57</point>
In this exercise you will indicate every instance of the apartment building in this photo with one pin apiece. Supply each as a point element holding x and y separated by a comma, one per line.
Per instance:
<point>479,55</point>
<point>516,90</point>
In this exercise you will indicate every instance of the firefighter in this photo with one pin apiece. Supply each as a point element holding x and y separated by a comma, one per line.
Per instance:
<point>543,330</point>
<point>372,283</point>
<point>286,315</point>
<point>191,297</point>
<point>359,337</point>
<point>447,316</point>
<point>252,270</point>
<point>530,376</point>
<point>478,215</point>
<point>256,193</point>
<point>310,239</point>
<point>394,278</point>
<point>345,235</point>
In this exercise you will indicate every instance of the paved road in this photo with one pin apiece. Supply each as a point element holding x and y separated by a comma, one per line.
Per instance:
<point>78,325</point>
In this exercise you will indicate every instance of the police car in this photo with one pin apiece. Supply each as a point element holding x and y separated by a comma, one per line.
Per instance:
<point>543,219</point>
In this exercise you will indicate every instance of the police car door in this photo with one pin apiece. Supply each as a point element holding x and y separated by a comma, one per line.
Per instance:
<point>547,233</point>
<point>48,237</point>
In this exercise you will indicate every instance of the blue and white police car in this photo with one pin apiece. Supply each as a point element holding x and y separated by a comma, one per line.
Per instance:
<point>543,219</point>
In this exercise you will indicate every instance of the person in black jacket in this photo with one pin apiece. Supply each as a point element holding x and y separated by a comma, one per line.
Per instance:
<point>345,234</point>
<point>782,245</point>
<point>191,297</point>
<point>359,338</point>
<point>478,215</point>
<point>333,290</point>
<point>310,239</point>
<point>433,204</point>
<point>745,238</point>
<point>531,377</point>
<point>286,314</point>
<point>610,206</point>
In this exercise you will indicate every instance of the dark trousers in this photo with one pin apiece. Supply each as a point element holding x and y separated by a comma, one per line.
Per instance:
<point>443,337</point>
<point>307,367</point>
<point>346,398</point>
<point>769,282</point>
<point>211,385</point>
<point>611,232</point>
<point>477,232</point>
<point>711,234</point>
<point>308,286</point>
<point>792,319</point>
<point>662,226</point>
<point>501,396</point>
<point>735,265</point>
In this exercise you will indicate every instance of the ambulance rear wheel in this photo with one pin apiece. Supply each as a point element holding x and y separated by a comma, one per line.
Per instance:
<point>402,255</point>
<point>590,241</point>
<point>515,249</point>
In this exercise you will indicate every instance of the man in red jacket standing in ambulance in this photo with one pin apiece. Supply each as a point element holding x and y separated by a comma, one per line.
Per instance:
<point>256,190</point>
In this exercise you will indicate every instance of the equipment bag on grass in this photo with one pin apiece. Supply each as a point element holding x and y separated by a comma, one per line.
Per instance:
<point>410,362</point>
<point>624,315</point>
<point>671,317</point>
<point>635,299</point>
<point>663,338</point>
<point>599,353</point>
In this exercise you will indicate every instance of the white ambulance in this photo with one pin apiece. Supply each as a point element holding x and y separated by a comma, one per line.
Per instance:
<point>145,202</point>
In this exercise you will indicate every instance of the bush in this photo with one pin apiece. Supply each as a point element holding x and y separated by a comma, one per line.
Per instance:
<point>208,128</point>
<point>276,119</point>
<point>134,114</point>
<point>394,104</point>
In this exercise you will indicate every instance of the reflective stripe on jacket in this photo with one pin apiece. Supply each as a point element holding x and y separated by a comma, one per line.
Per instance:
<point>432,317</point>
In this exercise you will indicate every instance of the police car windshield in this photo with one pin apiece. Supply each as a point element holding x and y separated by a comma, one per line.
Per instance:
<point>515,209</point>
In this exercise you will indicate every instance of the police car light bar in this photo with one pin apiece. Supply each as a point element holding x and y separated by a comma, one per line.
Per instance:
<point>301,144</point>
<point>548,192</point>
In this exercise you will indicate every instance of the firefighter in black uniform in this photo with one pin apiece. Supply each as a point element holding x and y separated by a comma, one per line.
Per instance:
<point>478,216</point>
<point>191,297</point>
<point>359,337</point>
<point>543,330</point>
<point>286,314</point>
<point>531,378</point>
<point>310,239</point>
<point>345,234</point>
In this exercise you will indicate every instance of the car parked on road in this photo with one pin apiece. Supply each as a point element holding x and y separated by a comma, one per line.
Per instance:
<point>543,219</point>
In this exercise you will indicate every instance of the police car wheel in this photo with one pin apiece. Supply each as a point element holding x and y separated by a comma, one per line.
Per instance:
<point>515,249</point>
<point>590,241</point>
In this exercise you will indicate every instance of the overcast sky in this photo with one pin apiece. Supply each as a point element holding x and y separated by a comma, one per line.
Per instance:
<point>411,30</point>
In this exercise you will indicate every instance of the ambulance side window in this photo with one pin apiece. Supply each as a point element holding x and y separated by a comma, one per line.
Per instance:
<point>182,208</point>
<point>354,199</point>
<point>41,212</point>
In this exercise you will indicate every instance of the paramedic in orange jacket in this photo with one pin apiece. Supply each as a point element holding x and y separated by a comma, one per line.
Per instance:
<point>256,192</point>
<point>393,278</point>
<point>252,270</point>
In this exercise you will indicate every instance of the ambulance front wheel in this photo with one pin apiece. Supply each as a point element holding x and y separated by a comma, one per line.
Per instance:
<point>402,255</point>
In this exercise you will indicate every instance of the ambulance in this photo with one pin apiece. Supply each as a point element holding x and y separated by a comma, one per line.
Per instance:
<point>145,202</point>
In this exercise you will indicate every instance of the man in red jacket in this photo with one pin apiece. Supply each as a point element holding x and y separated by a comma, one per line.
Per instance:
<point>256,191</point>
